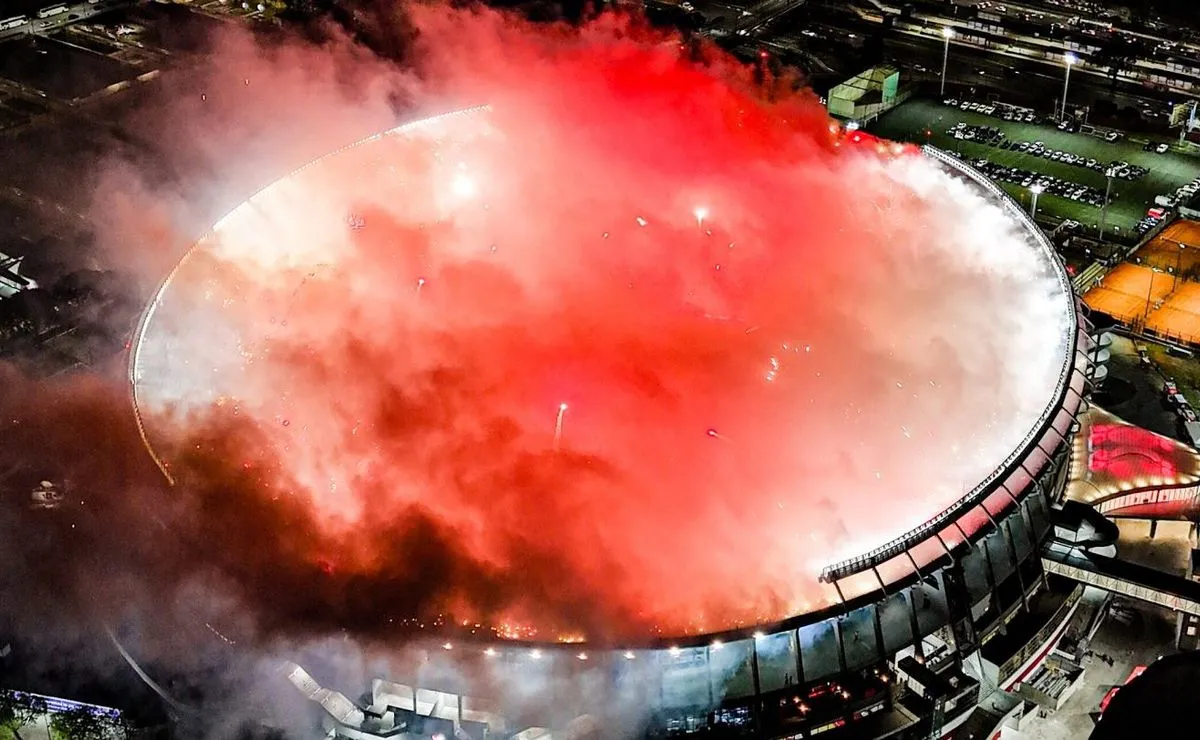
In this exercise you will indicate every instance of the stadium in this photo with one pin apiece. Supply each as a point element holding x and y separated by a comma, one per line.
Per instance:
<point>906,611</point>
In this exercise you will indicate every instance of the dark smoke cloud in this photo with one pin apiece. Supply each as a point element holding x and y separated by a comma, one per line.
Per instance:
<point>730,429</point>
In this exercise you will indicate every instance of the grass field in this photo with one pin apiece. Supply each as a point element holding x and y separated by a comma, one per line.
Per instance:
<point>1168,171</point>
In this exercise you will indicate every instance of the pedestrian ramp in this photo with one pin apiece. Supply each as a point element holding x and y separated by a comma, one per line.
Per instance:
<point>1123,577</point>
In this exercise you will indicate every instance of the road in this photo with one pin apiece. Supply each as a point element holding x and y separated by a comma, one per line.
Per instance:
<point>760,16</point>
<point>1134,392</point>
<point>1037,79</point>
<point>73,13</point>
<point>1148,635</point>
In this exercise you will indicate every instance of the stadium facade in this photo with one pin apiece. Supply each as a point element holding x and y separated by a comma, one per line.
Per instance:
<point>924,629</point>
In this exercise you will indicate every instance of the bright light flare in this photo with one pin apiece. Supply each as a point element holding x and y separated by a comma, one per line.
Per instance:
<point>464,186</point>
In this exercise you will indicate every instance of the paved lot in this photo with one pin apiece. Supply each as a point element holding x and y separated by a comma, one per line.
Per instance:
<point>1134,391</point>
<point>1148,635</point>
<point>58,69</point>
<point>1168,171</point>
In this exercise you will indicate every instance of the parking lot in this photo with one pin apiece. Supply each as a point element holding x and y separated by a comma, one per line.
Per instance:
<point>1081,162</point>
<point>60,70</point>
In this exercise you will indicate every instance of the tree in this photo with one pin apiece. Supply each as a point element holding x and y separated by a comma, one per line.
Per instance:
<point>85,724</point>
<point>17,710</point>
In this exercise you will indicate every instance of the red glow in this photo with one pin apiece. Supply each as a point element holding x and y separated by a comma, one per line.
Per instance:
<point>398,377</point>
<point>1127,452</point>
<point>1108,695</point>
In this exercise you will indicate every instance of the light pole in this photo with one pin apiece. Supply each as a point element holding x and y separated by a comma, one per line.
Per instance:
<point>1035,188</point>
<point>558,425</point>
<point>1149,296</point>
<point>947,33</point>
<point>1108,174</point>
<point>1178,266</point>
<point>1068,59</point>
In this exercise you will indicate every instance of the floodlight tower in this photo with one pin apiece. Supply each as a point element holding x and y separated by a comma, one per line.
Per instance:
<point>947,34</point>
<point>1069,60</point>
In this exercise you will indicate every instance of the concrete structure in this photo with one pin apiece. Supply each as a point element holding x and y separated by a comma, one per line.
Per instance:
<point>11,279</point>
<point>866,96</point>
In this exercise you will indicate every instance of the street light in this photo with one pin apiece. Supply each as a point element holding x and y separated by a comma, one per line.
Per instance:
<point>1035,188</point>
<point>1108,174</point>
<point>1178,266</point>
<point>1068,59</point>
<point>558,424</point>
<point>947,33</point>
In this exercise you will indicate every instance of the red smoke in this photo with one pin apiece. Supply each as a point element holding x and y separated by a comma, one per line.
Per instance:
<point>774,351</point>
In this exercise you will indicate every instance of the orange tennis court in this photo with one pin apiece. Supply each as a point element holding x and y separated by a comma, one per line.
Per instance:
<point>1179,316</point>
<point>1160,294</point>
<point>1176,248</point>
<point>1123,293</point>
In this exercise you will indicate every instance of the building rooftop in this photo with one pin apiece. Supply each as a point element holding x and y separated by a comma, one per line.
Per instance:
<point>1111,456</point>
<point>864,84</point>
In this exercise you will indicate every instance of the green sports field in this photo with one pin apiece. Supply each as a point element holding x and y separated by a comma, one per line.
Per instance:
<point>1168,171</point>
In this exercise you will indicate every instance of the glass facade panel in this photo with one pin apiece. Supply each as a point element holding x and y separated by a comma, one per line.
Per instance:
<point>998,503</point>
<point>1038,515</point>
<point>927,552</point>
<point>685,678</point>
<point>975,573</point>
<point>1020,534</point>
<point>895,569</point>
<point>973,521</point>
<point>895,621</point>
<point>1000,554</point>
<point>819,650</point>
<point>1039,457</point>
<point>951,537</point>
<point>859,584</point>
<point>731,668</point>
<point>859,638</point>
<point>1018,480</point>
<point>929,601</point>
<point>637,673</point>
<point>777,661</point>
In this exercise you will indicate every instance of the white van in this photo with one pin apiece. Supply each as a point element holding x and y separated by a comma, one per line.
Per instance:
<point>52,11</point>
